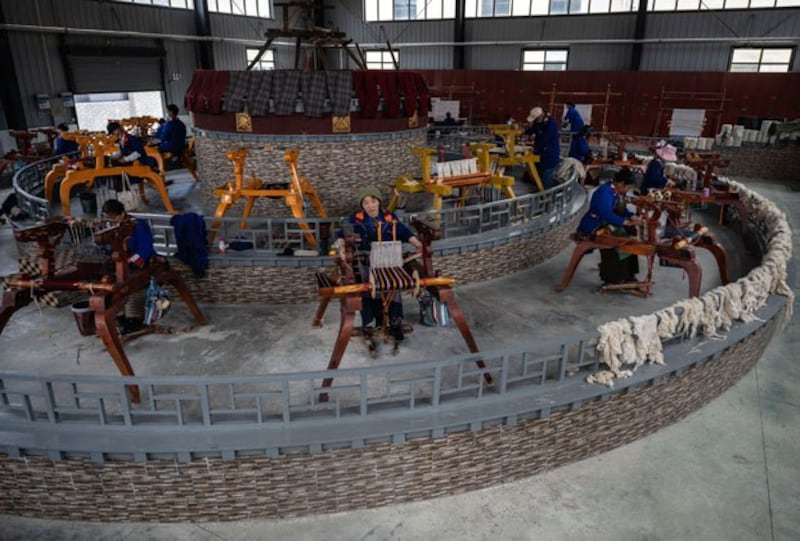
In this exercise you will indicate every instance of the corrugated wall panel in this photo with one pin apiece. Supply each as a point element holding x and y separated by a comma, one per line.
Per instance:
<point>38,58</point>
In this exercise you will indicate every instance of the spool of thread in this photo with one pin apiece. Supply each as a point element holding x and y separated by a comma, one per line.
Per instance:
<point>706,192</point>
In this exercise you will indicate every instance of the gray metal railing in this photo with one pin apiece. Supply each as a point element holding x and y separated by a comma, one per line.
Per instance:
<point>28,183</point>
<point>483,212</point>
<point>290,399</point>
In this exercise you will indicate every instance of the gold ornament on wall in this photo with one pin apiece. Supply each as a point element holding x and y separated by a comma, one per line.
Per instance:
<point>341,124</point>
<point>244,122</point>
<point>413,121</point>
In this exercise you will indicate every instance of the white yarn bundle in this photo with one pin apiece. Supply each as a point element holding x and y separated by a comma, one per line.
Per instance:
<point>633,341</point>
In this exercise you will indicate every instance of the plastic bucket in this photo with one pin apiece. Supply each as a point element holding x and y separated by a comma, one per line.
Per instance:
<point>84,317</point>
<point>88,202</point>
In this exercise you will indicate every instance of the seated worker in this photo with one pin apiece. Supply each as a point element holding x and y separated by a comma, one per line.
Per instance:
<point>365,223</point>
<point>140,252</point>
<point>449,120</point>
<point>607,209</point>
<point>130,148</point>
<point>546,144</point>
<point>173,133</point>
<point>579,147</point>
<point>65,146</point>
<point>654,177</point>
<point>160,129</point>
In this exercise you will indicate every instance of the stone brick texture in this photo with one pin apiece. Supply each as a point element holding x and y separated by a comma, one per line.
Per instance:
<point>337,170</point>
<point>779,162</point>
<point>292,485</point>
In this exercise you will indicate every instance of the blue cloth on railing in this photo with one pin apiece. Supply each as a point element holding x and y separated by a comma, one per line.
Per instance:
<point>190,235</point>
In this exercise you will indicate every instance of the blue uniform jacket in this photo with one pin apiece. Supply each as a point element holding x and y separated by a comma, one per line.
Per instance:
<point>654,178</point>
<point>546,143</point>
<point>579,148</point>
<point>366,228</point>
<point>601,210</point>
<point>64,146</point>
<point>173,136</point>
<point>130,144</point>
<point>141,241</point>
<point>575,120</point>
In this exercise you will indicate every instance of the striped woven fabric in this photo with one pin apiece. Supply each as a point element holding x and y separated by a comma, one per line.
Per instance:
<point>313,88</point>
<point>391,278</point>
<point>340,89</point>
<point>285,85</point>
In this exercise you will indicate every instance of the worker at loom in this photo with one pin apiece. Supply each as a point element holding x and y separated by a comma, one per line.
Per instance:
<point>173,133</point>
<point>654,176</point>
<point>65,146</point>
<point>546,144</point>
<point>140,252</point>
<point>372,223</point>
<point>608,214</point>
<point>573,121</point>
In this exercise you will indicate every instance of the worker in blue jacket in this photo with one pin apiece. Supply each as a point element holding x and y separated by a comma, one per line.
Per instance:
<point>140,252</point>
<point>131,148</point>
<point>607,210</point>
<point>654,176</point>
<point>173,133</point>
<point>372,223</point>
<point>546,144</point>
<point>65,146</point>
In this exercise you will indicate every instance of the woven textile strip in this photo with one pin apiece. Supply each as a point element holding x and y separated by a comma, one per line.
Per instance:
<point>386,254</point>
<point>340,88</point>
<point>259,91</point>
<point>236,91</point>
<point>390,279</point>
<point>388,81</point>
<point>313,88</point>
<point>286,85</point>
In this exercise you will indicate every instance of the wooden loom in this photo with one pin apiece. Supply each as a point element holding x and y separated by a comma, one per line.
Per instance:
<point>297,188</point>
<point>675,252</point>
<point>465,175</point>
<point>107,294</point>
<point>513,155</point>
<point>81,173</point>
<point>342,285</point>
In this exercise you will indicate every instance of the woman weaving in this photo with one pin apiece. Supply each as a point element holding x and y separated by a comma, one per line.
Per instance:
<point>376,230</point>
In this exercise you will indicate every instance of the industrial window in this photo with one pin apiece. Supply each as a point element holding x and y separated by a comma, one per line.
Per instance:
<point>184,4</point>
<point>694,5</point>
<point>750,59</point>
<point>252,8</point>
<point>266,62</point>
<point>528,8</point>
<point>544,60</point>
<point>409,10</point>
<point>381,60</point>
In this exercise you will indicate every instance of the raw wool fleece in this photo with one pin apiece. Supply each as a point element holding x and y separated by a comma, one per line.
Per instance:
<point>570,169</point>
<point>632,341</point>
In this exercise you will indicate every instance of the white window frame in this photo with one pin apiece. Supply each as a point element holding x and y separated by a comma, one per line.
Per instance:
<point>759,62</point>
<point>542,59</point>
<point>177,4</point>
<point>248,8</point>
<point>381,59</point>
<point>423,10</point>
<point>266,62</point>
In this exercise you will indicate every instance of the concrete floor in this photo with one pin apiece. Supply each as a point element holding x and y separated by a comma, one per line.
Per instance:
<point>726,472</point>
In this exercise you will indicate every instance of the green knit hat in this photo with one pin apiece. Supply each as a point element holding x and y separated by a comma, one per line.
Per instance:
<point>371,191</point>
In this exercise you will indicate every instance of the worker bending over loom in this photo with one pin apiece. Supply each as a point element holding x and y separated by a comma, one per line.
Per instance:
<point>374,224</point>
<point>141,251</point>
<point>608,215</point>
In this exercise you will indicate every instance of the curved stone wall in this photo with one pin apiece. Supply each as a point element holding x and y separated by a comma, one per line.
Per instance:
<point>297,284</point>
<point>336,165</point>
<point>213,489</point>
<point>314,480</point>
